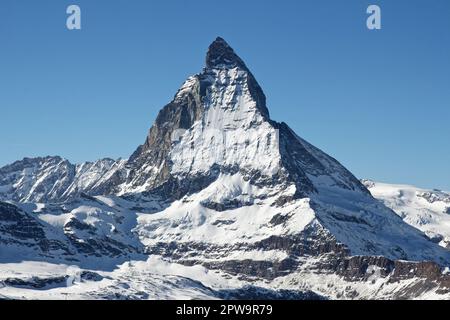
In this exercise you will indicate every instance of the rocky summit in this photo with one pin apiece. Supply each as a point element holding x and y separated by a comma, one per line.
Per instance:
<point>219,201</point>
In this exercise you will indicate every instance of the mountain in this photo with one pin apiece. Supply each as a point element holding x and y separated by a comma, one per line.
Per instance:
<point>218,194</point>
<point>53,179</point>
<point>426,210</point>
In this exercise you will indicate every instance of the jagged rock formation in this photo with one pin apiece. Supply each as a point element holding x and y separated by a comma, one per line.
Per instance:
<point>53,179</point>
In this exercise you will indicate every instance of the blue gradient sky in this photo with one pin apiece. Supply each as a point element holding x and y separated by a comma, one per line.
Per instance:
<point>378,101</point>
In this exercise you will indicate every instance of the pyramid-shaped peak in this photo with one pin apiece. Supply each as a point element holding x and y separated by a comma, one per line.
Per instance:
<point>220,55</point>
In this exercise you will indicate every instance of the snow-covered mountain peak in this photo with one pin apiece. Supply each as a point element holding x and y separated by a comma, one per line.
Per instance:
<point>221,59</point>
<point>218,185</point>
<point>217,124</point>
<point>221,55</point>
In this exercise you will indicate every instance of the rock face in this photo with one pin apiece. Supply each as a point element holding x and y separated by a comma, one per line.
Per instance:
<point>19,226</point>
<point>218,184</point>
<point>74,231</point>
<point>22,235</point>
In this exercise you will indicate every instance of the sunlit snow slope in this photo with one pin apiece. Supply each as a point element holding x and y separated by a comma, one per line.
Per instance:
<point>427,210</point>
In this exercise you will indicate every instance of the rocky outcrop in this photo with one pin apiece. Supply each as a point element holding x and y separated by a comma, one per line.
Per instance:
<point>18,228</point>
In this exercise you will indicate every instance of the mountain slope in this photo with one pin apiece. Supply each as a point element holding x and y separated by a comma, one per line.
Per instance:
<point>427,210</point>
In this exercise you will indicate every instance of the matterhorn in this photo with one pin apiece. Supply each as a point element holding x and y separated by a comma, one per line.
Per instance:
<point>219,201</point>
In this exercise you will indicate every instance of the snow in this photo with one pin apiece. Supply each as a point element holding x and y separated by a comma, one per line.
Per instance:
<point>409,203</point>
<point>30,269</point>
<point>108,201</point>
<point>39,207</point>
<point>156,278</point>
<point>151,279</point>
<point>88,175</point>
<point>53,178</point>
<point>57,221</point>
<point>254,255</point>
<point>227,134</point>
<point>224,222</point>
<point>188,220</point>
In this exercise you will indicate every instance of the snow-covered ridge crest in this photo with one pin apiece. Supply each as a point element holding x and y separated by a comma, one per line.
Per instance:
<point>53,178</point>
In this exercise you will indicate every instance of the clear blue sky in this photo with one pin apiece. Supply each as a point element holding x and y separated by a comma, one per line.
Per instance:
<point>378,101</point>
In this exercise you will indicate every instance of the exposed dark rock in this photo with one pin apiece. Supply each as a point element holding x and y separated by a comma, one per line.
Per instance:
<point>17,227</point>
<point>255,269</point>
<point>101,246</point>
<point>345,218</point>
<point>78,225</point>
<point>257,293</point>
<point>35,282</point>
<point>223,222</point>
<point>437,238</point>
<point>310,242</point>
<point>279,219</point>
<point>434,196</point>
<point>221,55</point>
<point>226,205</point>
<point>46,283</point>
